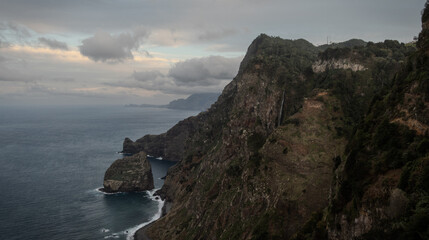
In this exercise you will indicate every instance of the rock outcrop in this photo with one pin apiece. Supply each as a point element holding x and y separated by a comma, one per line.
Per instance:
<point>322,66</point>
<point>129,174</point>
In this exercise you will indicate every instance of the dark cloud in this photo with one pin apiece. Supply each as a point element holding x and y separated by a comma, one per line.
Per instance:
<point>112,48</point>
<point>204,71</point>
<point>53,44</point>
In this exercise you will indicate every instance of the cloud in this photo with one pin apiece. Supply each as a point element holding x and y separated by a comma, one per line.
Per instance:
<point>11,75</point>
<point>196,75</point>
<point>152,80</point>
<point>3,43</point>
<point>204,71</point>
<point>53,44</point>
<point>147,75</point>
<point>225,48</point>
<point>18,30</point>
<point>105,47</point>
<point>12,32</point>
<point>215,35</point>
<point>63,79</point>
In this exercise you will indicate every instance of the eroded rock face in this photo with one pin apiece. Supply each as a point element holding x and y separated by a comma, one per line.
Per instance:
<point>379,197</point>
<point>260,161</point>
<point>129,174</point>
<point>244,175</point>
<point>321,66</point>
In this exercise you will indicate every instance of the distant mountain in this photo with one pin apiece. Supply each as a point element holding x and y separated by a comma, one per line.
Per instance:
<point>197,102</point>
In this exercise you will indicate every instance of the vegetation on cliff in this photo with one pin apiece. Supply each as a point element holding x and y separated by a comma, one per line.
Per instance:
<point>307,143</point>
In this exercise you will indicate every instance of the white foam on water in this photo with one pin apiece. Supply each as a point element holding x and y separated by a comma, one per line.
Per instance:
<point>131,231</point>
<point>112,236</point>
<point>105,193</point>
<point>159,158</point>
<point>104,230</point>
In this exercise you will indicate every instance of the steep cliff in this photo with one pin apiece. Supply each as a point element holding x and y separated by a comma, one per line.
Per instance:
<point>304,143</point>
<point>259,163</point>
<point>382,187</point>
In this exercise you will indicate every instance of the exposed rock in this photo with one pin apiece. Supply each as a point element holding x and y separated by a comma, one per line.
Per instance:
<point>261,160</point>
<point>236,173</point>
<point>397,203</point>
<point>129,174</point>
<point>170,145</point>
<point>129,147</point>
<point>321,66</point>
<point>380,188</point>
<point>301,145</point>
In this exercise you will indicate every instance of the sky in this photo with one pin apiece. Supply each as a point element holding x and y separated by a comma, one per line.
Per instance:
<point>76,52</point>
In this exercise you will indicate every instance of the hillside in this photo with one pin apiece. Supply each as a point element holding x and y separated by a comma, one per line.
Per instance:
<point>304,143</point>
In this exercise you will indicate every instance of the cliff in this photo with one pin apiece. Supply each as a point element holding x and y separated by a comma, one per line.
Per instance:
<point>381,188</point>
<point>129,174</point>
<point>259,163</point>
<point>304,143</point>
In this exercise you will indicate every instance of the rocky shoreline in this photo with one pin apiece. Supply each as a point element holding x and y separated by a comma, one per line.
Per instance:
<point>141,233</point>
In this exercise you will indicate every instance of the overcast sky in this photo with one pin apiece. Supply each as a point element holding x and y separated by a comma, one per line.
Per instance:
<point>154,51</point>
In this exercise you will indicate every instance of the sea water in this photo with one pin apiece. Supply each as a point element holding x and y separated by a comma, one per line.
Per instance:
<point>52,161</point>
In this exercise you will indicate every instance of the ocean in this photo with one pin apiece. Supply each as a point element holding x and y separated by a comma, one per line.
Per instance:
<point>53,159</point>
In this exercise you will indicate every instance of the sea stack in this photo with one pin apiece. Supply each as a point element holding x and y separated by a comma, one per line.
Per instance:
<point>129,174</point>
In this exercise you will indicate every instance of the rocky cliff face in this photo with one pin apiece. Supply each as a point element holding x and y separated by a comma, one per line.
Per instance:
<point>291,152</point>
<point>259,163</point>
<point>322,66</point>
<point>381,189</point>
<point>129,174</point>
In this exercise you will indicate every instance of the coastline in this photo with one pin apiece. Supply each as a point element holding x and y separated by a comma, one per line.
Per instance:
<point>141,233</point>
<point>132,232</point>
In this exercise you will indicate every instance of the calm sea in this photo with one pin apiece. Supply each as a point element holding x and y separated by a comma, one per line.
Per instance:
<point>52,160</point>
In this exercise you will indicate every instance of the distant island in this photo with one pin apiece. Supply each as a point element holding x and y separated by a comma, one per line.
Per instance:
<point>197,102</point>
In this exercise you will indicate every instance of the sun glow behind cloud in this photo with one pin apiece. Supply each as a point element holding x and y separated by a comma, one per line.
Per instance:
<point>42,52</point>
